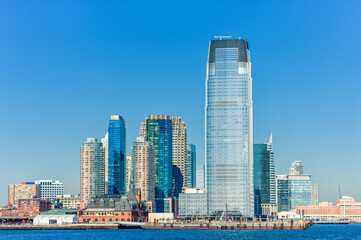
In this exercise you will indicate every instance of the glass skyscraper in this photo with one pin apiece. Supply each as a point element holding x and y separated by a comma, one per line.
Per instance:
<point>264,175</point>
<point>191,165</point>
<point>117,145</point>
<point>229,128</point>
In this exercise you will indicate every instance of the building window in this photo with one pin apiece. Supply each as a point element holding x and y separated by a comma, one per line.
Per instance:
<point>103,220</point>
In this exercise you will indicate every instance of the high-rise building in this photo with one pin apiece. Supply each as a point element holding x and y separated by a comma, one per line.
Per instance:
<point>229,128</point>
<point>283,200</point>
<point>300,188</point>
<point>105,146</point>
<point>296,168</point>
<point>92,180</point>
<point>25,190</point>
<point>128,171</point>
<point>314,194</point>
<point>49,189</point>
<point>143,169</point>
<point>179,155</point>
<point>200,178</point>
<point>117,146</point>
<point>264,175</point>
<point>157,129</point>
<point>191,165</point>
<point>293,190</point>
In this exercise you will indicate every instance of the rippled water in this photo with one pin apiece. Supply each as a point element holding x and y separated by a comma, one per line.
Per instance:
<point>317,232</point>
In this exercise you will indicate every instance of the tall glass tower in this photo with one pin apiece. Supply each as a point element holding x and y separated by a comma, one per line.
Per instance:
<point>229,128</point>
<point>117,145</point>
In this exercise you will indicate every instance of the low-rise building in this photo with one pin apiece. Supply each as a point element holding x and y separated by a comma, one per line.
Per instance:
<point>32,206</point>
<point>55,219</point>
<point>346,209</point>
<point>115,208</point>
<point>193,202</point>
<point>69,201</point>
<point>49,189</point>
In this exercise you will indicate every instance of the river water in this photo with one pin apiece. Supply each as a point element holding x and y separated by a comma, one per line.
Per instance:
<point>317,232</point>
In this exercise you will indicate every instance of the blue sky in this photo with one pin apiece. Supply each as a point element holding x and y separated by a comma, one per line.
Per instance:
<point>66,66</point>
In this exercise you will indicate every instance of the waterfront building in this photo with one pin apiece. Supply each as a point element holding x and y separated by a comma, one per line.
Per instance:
<point>32,206</point>
<point>143,174</point>
<point>117,146</point>
<point>115,208</point>
<point>191,165</point>
<point>300,190</point>
<point>49,189</point>
<point>25,190</point>
<point>346,209</point>
<point>296,168</point>
<point>92,181</point>
<point>193,202</point>
<point>264,175</point>
<point>104,142</point>
<point>283,200</point>
<point>68,201</point>
<point>157,129</point>
<point>60,219</point>
<point>293,190</point>
<point>269,209</point>
<point>179,155</point>
<point>200,178</point>
<point>314,194</point>
<point>229,128</point>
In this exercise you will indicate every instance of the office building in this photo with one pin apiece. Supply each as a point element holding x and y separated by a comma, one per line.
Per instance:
<point>193,202</point>
<point>200,178</point>
<point>157,129</point>
<point>191,165</point>
<point>296,168</point>
<point>283,201</point>
<point>264,175</point>
<point>229,128</point>
<point>179,155</point>
<point>25,190</point>
<point>68,201</point>
<point>117,146</point>
<point>92,180</point>
<point>49,189</point>
<point>300,190</point>
<point>128,171</point>
<point>143,174</point>
<point>104,142</point>
<point>314,194</point>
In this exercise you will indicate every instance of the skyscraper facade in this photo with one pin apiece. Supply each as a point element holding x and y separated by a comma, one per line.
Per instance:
<point>200,178</point>
<point>229,128</point>
<point>117,145</point>
<point>300,188</point>
<point>191,165</point>
<point>105,146</point>
<point>92,170</point>
<point>157,129</point>
<point>179,155</point>
<point>314,194</point>
<point>264,175</point>
<point>283,200</point>
<point>143,169</point>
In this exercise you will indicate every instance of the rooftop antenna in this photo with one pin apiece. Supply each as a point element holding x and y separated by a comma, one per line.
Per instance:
<point>220,37</point>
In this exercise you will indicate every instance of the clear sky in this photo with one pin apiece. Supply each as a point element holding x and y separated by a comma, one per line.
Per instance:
<point>66,66</point>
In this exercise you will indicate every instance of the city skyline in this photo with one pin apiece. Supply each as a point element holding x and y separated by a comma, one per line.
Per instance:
<point>46,79</point>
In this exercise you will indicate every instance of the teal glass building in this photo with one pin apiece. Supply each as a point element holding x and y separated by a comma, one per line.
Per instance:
<point>264,175</point>
<point>191,165</point>
<point>117,145</point>
<point>229,128</point>
<point>159,132</point>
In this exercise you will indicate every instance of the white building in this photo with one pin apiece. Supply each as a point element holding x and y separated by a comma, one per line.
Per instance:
<point>193,202</point>
<point>49,189</point>
<point>55,219</point>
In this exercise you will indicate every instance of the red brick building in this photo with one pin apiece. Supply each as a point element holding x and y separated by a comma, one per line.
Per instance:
<point>32,206</point>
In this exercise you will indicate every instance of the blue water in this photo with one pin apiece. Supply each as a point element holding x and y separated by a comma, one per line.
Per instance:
<point>317,232</point>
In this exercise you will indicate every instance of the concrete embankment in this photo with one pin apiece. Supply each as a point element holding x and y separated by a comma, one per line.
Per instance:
<point>62,227</point>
